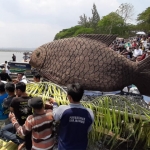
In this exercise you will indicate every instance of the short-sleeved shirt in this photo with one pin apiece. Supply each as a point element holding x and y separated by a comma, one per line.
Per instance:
<point>21,108</point>
<point>137,52</point>
<point>5,77</point>
<point>75,123</point>
<point>24,80</point>
<point>6,103</point>
<point>2,110</point>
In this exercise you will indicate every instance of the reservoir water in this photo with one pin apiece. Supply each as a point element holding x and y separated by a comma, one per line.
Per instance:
<point>7,56</point>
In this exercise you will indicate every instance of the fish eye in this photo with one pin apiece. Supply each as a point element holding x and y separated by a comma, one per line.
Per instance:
<point>38,54</point>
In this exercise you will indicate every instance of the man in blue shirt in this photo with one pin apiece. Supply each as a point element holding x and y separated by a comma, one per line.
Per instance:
<point>75,120</point>
<point>10,90</point>
<point>3,95</point>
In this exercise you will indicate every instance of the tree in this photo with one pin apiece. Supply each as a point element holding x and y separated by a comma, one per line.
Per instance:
<point>95,18</point>
<point>144,17</point>
<point>144,20</point>
<point>65,33</point>
<point>84,21</point>
<point>111,24</point>
<point>84,30</point>
<point>90,22</point>
<point>125,10</point>
<point>73,31</point>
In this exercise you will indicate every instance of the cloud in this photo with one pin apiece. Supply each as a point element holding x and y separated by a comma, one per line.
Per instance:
<point>54,11</point>
<point>26,35</point>
<point>30,23</point>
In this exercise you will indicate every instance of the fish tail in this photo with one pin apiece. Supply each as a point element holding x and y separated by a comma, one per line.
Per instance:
<point>142,78</point>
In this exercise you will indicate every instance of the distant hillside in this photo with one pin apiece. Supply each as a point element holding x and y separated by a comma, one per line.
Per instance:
<point>17,49</point>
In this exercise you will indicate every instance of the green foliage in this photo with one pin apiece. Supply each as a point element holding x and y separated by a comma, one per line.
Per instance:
<point>144,17</point>
<point>132,29</point>
<point>84,21</point>
<point>95,18</point>
<point>84,31</point>
<point>111,24</point>
<point>114,24</point>
<point>144,20</point>
<point>117,119</point>
<point>90,22</point>
<point>73,31</point>
<point>65,33</point>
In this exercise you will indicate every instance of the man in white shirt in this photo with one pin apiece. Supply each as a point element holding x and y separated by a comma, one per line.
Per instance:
<point>144,43</point>
<point>137,52</point>
<point>6,65</point>
<point>20,78</point>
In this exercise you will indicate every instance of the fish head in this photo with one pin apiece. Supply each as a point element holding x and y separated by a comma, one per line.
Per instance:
<point>38,57</point>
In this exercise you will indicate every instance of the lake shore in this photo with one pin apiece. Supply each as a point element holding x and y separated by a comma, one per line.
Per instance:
<point>16,49</point>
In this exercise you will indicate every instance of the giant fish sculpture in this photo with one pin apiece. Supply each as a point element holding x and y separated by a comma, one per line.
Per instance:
<point>88,60</point>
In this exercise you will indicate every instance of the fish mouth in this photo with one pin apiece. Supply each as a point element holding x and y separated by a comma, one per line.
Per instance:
<point>38,58</point>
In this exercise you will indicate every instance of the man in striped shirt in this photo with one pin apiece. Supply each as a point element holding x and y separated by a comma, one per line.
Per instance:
<point>40,123</point>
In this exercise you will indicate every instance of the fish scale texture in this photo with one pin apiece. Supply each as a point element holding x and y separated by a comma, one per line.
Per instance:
<point>85,59</point>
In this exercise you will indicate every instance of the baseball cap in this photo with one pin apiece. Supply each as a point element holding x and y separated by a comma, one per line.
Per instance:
<point>36,103</point>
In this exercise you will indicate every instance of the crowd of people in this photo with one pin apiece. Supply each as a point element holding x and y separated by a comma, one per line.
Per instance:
<point>135,49</point>
<point>30,123</point>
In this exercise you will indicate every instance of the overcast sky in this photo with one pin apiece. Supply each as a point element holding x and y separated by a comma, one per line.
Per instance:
<point>31,23</point>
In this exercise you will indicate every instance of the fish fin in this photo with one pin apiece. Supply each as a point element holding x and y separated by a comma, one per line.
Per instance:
<point>143,76</point>
<point>107,39</point>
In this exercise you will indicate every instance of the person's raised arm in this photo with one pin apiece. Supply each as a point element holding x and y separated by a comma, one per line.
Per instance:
<point>56,110</point>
